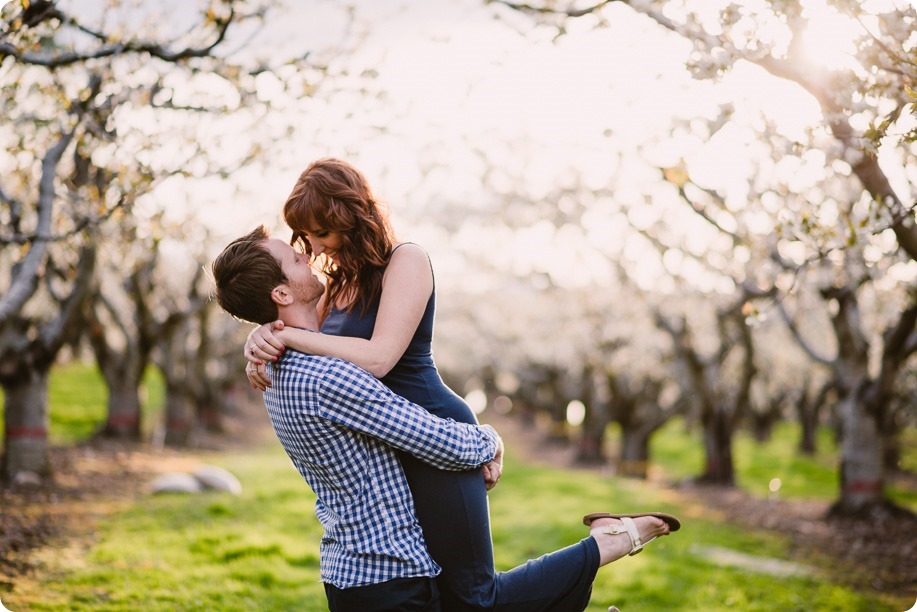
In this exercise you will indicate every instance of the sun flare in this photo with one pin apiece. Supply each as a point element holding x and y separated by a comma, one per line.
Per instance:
<point>828,39</point>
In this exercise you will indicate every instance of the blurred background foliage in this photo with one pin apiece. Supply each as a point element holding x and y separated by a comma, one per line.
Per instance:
<point>664,232</point>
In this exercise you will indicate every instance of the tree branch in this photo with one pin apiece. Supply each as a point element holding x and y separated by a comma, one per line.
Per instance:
<point>51,336</point>
<point>900,340</point>
<point>867,169</point>
<point>156,50</point>
<point>852,342</point>
<point>81,225</point>
<point>803,343</point>
<point>700,209</point>
<point>528,8</point>
<point>25,279</point>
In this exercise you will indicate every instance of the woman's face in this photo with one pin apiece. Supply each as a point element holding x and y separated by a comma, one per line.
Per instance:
<point>324,242</point>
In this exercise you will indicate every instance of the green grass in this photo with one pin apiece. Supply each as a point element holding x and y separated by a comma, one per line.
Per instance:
<point>78,398</point>
<point>679,453</point>
<point>214,551</point>
<point>259,550</point>
<point>672,574</point>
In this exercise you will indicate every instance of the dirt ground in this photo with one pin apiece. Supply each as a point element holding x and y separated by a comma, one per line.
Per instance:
<point>93,480</point>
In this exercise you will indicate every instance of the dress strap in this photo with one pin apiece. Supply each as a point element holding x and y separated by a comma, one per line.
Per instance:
<point>430,261</point>
<point>401,245</point>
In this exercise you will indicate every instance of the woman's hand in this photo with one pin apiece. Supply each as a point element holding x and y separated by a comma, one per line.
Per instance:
<point>257,376</point>
<point>263,344</point>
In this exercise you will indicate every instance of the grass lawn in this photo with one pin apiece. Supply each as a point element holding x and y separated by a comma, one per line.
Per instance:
<point>773,468</point>
<point>259,550</point>
<point>78,402</point>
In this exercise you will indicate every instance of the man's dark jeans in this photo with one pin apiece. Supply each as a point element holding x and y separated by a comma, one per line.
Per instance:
<point>398,595</point>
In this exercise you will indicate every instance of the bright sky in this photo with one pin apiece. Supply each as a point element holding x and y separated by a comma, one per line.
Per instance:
<point>453,81</point>
<point>458,82</point>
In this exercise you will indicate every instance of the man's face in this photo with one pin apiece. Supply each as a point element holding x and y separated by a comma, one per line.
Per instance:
<point>301,278</point>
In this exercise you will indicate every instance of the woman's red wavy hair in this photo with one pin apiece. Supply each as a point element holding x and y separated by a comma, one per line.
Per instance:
<point>331,195</point>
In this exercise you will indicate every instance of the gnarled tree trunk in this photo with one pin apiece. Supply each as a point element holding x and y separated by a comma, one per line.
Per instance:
<point>862,473</point>
<point>26,418</point>
<point>27,352</point>
<point>591,449</point>
<point>124,409</point>
<point>863,401</point>
<point>639,410</point>
<point>809,415</point>
<point>122,371</point>
<point>718,464</point>
<point>721,407</point>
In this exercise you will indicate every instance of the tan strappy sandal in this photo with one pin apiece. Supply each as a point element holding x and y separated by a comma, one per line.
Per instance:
<point>630,528</point>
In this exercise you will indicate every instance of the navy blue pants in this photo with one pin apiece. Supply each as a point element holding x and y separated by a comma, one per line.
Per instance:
<point>398,595</point>
<point>452,510</point>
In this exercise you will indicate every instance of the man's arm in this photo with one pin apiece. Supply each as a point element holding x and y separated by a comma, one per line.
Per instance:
<point>353,398</point>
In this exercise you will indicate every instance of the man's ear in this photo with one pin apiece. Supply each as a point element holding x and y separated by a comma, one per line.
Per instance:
<point>282,295</point>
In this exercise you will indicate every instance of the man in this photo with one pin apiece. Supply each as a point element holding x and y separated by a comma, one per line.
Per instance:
<point>340,426</point>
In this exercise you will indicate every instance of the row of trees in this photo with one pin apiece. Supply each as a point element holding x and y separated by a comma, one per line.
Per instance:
<point>793,293</point>
<point>102,110</point>
<point>687,297</point>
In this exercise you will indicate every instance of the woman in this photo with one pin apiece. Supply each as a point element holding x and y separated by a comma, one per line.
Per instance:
<point>378,313</point>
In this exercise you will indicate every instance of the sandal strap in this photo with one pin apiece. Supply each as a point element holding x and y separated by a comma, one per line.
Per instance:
<point>631,526</point>
<point>628,527</point>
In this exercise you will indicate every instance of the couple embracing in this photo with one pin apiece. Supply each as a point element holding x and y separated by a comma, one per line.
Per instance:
<point>398,462</point>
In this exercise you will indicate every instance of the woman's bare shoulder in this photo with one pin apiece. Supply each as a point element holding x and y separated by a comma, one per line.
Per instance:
<point>409,261</point>
<point>410,252</point>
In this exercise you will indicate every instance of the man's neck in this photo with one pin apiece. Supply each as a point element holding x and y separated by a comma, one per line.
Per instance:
<point>300,315</point>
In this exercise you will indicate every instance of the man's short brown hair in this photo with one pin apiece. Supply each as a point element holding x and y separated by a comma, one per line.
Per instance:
<point>245,274</point>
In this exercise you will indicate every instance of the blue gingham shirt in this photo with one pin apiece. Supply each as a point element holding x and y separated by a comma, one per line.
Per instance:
<point>339,425</point>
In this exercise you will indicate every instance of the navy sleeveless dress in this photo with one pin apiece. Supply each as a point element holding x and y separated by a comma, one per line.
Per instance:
<point>452,506</point>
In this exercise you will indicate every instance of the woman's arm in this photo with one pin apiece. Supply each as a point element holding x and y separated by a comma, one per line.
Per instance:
<point>406,288</point>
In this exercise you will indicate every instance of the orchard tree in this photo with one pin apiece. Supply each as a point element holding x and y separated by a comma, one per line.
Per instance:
<point>147,289</point>
<point>126,316</point>
<point>176,359</point>
<point>101,106</point>
<point>641,407</point>
<point>860,284</point>
<point>719,383</point>
<point>866,105</point>
<point>122,335</point>
<point>858,217</point>
<point>865,385</point>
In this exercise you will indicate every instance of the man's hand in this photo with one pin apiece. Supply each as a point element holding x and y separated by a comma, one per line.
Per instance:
<point>494,469</point>
<point>492,472</point>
